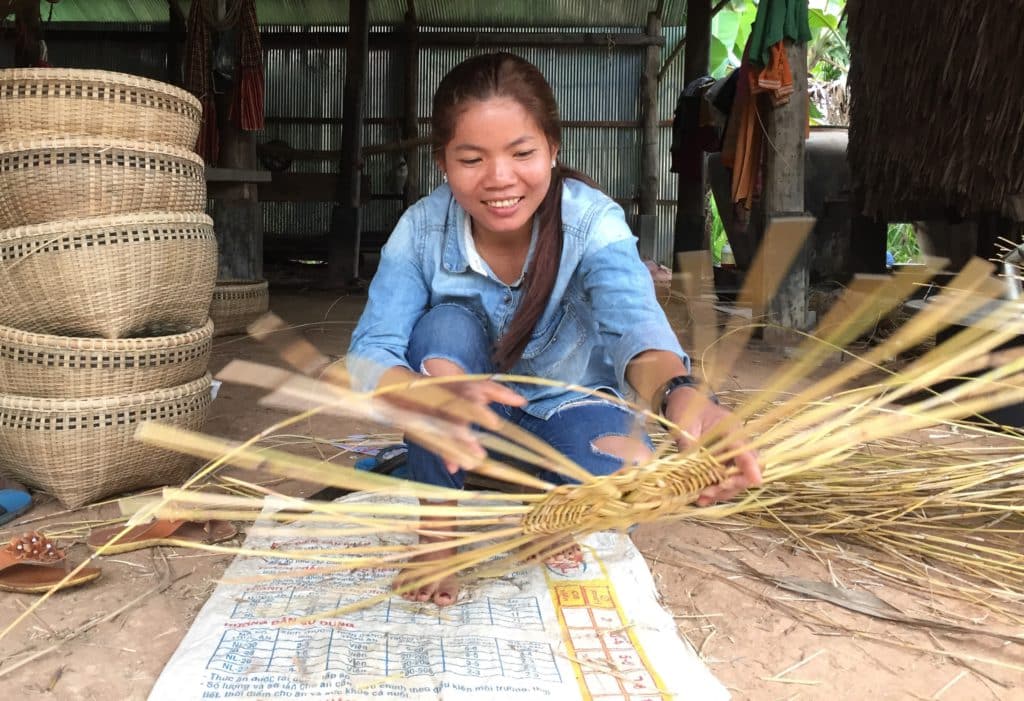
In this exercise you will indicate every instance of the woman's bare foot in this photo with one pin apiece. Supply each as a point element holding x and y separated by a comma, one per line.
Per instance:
<point>443,592</point>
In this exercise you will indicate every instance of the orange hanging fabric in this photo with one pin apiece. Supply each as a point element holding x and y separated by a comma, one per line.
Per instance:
<point>247,102</point>
<point>199,82</point>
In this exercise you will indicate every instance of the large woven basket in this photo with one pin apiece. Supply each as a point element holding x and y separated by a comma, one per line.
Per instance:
<point>114,277</point>
<point>45,180</point>
<point>43,102</point>
<point>67,367</point>
<point>85,449</point>
<point>236,304</point>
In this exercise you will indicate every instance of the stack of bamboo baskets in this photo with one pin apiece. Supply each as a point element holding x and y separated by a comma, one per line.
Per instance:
<point>107,268</point>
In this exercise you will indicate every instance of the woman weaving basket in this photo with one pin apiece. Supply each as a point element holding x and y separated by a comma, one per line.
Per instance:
<point>519,264</point>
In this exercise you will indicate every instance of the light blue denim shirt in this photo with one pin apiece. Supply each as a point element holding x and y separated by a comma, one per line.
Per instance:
<point>601,314</point>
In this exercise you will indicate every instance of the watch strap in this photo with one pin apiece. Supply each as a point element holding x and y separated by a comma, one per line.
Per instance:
<point>674,383</point>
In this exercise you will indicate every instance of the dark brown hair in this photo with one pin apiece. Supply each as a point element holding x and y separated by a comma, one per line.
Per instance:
<point>507,75</point>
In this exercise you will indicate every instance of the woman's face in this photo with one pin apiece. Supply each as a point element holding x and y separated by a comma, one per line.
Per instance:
<point>498,163</point>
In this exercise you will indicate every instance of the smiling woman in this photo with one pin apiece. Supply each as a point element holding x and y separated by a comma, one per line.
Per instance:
<point>519,264</point>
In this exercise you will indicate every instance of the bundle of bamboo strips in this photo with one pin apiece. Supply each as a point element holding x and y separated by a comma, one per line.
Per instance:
<point>802,436</point>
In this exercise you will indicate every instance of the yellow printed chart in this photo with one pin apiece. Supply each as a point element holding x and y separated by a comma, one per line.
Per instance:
<point>591,631</point>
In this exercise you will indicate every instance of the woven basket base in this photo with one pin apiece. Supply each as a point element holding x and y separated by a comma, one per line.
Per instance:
<point>81,456</point>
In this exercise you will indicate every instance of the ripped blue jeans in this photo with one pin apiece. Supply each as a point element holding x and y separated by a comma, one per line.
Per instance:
<point>454,333</point>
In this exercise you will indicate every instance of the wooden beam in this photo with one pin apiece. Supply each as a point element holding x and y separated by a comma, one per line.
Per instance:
<point>689,225</point>
<point>786,127</point>
<point>322,187</point>
<point>410,107</point>
<point>237,175</point>
<point>304,39</point>
<point>398,121</point>
<point>343,261</point>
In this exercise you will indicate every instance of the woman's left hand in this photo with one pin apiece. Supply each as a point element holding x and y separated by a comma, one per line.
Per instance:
<point>694,413</point>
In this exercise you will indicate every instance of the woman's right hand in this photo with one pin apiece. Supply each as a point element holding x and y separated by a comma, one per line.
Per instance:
<point>462,404</point>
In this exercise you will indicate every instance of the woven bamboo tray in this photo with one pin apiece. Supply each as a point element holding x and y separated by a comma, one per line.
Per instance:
<point>46,180</point>
<point>236,304</point>
<point>67,367</point>
<point>53,102</point>
<point>114,277</point>
<point>82,450</point>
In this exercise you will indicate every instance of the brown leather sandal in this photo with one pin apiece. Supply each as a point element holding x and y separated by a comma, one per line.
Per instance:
<point>161,532</point>
<point>29,564</point>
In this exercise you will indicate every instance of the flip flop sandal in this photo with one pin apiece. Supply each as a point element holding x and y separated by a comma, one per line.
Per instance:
<point>13,503</point>
<point>29,564</point>
<point>161,532</point>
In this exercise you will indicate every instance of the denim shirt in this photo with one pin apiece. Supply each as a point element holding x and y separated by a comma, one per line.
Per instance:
<point>601,314</point>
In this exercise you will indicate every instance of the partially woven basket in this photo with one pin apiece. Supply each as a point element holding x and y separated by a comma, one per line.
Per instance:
<point>115,277</point>
<point>82,450</point>
<point>45,180</point>
<point>42,102</point>
<point>236,304</point>
<point>67,367</point>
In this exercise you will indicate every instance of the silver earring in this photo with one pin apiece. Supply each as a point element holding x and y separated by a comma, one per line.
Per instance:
<point>444,177</point>
<point>554,163</point>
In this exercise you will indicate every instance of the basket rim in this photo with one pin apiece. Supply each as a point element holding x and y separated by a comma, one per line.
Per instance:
<point>107,221</point>
<point>121,345</point>
<point>92,75</point>
<point>20,403</point>
<point>100,144</point>
<point>234,282</point>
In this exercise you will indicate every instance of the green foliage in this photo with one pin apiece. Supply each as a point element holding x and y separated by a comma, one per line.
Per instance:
<point>730,30</point>
<point>828,55</point>
<point>901,241</point>
<point>718,237</point>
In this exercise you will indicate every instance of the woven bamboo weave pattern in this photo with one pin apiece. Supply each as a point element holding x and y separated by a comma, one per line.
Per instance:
<point>54,102</point>
<point>85,449</point>
<point>236,304</point>
<point>114,277</point>
<point>641,494</point>
<point>40,365</point>
<point>46,180</point>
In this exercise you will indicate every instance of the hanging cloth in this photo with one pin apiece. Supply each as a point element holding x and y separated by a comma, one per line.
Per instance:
<point>199,82</point>
<point>777,20</point>
<point>247,102</point>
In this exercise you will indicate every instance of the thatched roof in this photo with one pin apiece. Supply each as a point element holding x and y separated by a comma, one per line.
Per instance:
<point>937,104</point>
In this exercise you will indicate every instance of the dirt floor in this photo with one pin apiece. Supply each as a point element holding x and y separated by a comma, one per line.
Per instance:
<point>111,639</point>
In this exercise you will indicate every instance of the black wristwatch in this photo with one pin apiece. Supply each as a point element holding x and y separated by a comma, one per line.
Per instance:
<point>675,383</point>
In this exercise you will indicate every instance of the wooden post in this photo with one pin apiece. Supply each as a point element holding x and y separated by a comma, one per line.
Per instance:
<point>343,242</point>
<point>689,225</point>
<point>649,165</point>
<point>237,217</point>
<point>410,107</point>
<point>28,28</point>
<point>867,238</point>
<point>786,127</point>
<point>649,161</point>
<point>176,30</point>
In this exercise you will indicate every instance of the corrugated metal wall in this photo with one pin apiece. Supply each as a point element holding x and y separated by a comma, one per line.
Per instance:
<point>590,84</point>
